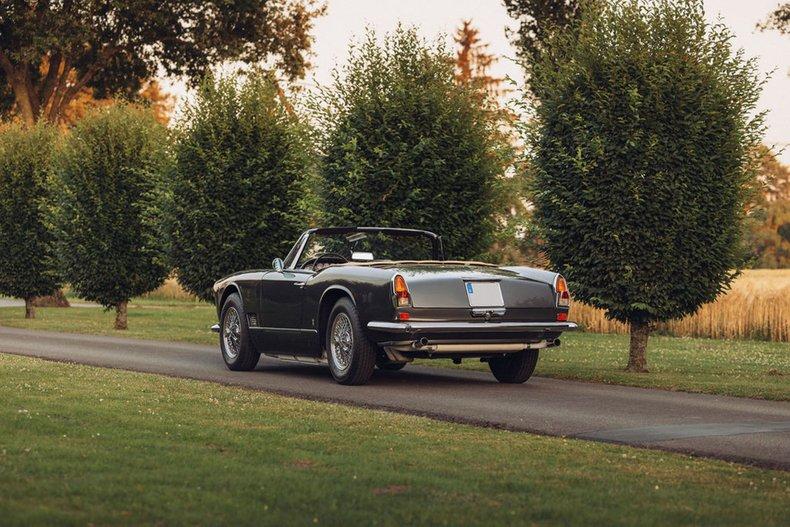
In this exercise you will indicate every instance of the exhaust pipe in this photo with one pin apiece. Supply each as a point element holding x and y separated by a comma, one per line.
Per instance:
<point>556,342</point>
<point>417,344</point>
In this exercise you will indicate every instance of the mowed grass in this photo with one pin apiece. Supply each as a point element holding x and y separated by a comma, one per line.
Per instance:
<point>153,320</point>
<point>82,445</point>
<point>746,368</point>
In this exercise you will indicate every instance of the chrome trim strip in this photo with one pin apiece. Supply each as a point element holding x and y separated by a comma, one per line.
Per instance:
<point>409,327</point>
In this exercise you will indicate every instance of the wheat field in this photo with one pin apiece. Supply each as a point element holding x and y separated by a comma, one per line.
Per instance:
<point>757,307</point>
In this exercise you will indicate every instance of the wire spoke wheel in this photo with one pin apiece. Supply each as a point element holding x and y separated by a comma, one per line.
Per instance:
<point>231,333</point>
<point>342,342</point>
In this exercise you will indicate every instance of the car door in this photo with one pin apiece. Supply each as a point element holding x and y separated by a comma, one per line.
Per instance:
<point>280,313</point>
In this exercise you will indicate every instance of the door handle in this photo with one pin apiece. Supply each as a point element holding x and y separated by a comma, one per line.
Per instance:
<point>298,284</point>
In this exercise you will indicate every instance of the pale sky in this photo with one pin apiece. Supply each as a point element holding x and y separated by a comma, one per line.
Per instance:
<point>347,19</point>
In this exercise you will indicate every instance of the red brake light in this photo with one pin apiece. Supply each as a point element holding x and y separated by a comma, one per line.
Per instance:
<point>563,295</point>
<point>402,296</point>
<point>562,316</point>
<point>403,316</point>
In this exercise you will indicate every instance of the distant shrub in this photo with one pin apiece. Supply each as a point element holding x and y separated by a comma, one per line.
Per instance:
<point>111,172</point>
<point>28,261</point>
<point>240,193</point>
<point>404,145</point>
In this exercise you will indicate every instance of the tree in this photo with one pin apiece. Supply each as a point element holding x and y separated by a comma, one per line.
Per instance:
<point>240,193</point>
<point>151,94</point>
<point>769,212</point>
<point>111,175</point>
<point>642,147</point>
<point>473,61</point>
<point>404,145</point>
<point>779,19</point>
<point>28,266</point>
<point>49,51</point>
<point>538,21</point>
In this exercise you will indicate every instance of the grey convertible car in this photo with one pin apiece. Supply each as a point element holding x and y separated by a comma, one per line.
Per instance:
<point>356,298</point>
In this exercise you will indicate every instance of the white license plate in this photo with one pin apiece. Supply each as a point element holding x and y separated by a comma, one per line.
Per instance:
<point>484,294</point>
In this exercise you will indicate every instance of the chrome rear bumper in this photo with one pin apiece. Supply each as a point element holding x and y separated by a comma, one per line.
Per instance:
<point>405,340</point>
<point>416,328</point>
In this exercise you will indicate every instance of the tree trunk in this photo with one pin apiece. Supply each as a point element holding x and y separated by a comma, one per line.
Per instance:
<point>21,89</point>
<point>637,362</point>
<point>30,308</point>
<point>56,299</point>
<point>121,315</point>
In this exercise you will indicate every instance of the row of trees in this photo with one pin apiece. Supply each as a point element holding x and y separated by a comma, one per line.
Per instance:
<point>120,200</point>
<point>640,154</point>
<point>84,209</point>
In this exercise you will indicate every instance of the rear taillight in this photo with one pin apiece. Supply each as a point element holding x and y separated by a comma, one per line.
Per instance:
<point>563,295</point>
<point>402,297</point>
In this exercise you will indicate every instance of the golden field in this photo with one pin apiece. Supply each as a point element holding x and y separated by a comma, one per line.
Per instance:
<point>757,307</point>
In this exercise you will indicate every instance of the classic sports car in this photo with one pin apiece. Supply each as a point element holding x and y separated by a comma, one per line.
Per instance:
<point>360,297</point>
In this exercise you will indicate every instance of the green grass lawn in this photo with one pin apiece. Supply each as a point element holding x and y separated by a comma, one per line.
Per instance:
<point>745,368</point>
<point>82,445</point>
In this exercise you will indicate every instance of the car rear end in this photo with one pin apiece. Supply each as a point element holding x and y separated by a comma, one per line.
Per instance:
<point>456,311</point>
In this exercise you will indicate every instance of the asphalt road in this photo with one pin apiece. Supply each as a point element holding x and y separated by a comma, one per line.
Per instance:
<point>746,430</point>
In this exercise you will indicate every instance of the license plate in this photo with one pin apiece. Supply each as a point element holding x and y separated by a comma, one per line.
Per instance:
<point>484,294</point>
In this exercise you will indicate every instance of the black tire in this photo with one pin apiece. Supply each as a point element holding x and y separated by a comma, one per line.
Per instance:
<point>245,357</point>
<point>355,366</point>
<point>515,369</point>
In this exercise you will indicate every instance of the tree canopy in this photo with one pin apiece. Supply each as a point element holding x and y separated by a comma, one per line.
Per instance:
<point>50,50</point>
<point>404,145</point>
<point>240,193</point>
<point>538,20</point>
<point>779,19</point>
<point>642,149</point>
<point>111,182</point>
<point>28,262</point>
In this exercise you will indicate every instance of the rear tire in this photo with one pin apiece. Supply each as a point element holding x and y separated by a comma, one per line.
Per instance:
<point>350,354</point>
<point>515,369</point>
<point>234,337</point>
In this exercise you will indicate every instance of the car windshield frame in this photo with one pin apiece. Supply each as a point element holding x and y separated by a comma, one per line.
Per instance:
<point>295,254</point>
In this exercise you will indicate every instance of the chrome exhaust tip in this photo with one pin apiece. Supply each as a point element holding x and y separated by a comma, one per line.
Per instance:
<point>417,344</point>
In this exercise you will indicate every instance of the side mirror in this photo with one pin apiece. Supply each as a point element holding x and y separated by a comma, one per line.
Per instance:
<point>277,264</point>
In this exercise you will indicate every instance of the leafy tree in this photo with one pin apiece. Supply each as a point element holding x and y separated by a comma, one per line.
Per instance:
<point>28,267</point>
<point>641,147</point>
<point>111,175</point>
<point>49,51</point>
<point>240,189</point>
<point>151,94</point>
<point>769,212</point>
<point>404,145</point>
<point>779,19</point>
<point>538,21</point>
<point>766,236</point>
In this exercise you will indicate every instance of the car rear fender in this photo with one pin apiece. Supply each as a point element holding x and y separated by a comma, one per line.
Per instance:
<point>328,299</point>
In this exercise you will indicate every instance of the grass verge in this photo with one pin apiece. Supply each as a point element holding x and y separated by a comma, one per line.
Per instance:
<point>745,368</point>
<point>83,445</point>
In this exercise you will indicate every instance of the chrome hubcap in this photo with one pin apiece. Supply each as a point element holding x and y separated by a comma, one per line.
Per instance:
<point>342,342</point>
<point>231,333</point>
